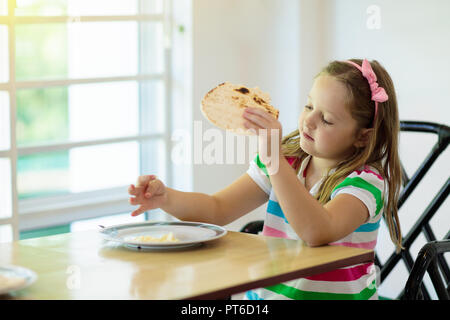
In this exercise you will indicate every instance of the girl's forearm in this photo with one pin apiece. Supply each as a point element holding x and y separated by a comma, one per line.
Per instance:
<point>305,214</point>
<point>191,206</point>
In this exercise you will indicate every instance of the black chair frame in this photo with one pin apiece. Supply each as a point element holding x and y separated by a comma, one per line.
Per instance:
<point>427,260</point>
<point>409,184</point>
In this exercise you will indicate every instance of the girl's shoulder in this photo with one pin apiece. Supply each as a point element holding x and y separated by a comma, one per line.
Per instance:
<point>367,171</point>
<point>367,184</point>
<point>366,177</point>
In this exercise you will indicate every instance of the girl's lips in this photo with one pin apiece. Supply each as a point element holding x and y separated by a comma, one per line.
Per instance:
<point>308,136</point>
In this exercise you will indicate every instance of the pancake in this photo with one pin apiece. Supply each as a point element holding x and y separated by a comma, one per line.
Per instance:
<point>224,105</point>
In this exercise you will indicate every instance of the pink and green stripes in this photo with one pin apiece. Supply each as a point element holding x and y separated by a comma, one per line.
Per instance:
<point>344,274</point>
<point>291,160</point>
<point>297,294</point>
<point>261,165</point>
<point>363,184</point>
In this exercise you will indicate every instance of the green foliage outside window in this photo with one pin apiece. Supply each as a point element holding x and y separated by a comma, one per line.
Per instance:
<point>42,113</point>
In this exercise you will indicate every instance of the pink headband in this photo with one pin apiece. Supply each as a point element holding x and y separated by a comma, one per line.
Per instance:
<point>378,93</point>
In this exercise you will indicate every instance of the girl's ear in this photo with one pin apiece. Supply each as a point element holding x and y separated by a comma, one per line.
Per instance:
<point>363,137</point>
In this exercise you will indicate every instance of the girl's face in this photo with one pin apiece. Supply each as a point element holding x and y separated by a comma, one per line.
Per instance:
<point>327,129</point>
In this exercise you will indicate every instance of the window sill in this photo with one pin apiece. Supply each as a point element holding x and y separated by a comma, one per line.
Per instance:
<point>51,211</point>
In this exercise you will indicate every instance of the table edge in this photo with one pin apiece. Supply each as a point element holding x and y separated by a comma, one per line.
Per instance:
<point>225,293</point>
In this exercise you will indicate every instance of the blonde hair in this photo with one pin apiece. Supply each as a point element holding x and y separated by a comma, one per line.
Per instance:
<point>381,151</point>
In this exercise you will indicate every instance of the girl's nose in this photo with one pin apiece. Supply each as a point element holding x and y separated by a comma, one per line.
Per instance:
<point>309,121</point>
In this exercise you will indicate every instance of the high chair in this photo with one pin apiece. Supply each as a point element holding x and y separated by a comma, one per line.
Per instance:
<point>430,258</point>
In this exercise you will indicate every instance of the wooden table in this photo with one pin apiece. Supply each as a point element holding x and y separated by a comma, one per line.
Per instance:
<point>81,265</point>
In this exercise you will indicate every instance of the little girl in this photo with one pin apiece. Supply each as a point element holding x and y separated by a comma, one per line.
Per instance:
<point>329,182</point>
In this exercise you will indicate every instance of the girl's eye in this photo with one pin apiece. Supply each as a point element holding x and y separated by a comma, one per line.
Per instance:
<point>325,121</point>
<point>308,107</point>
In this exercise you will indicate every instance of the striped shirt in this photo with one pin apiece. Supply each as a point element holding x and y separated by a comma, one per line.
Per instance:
<point>354,282</point>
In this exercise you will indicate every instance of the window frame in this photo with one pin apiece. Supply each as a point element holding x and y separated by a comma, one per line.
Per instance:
<point>37,213</point>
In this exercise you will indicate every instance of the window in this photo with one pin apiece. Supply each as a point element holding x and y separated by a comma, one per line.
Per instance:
<point>85,89</point>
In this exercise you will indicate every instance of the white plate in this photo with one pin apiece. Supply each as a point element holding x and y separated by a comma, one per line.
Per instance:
<point>188,233</point>
<point>13,278</point>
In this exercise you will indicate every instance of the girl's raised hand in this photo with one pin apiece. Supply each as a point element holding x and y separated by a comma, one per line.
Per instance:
<point>269,132</point>
<point>149,193</point>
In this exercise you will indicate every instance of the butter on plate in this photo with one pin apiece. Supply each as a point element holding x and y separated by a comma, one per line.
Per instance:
<point>168,237</point>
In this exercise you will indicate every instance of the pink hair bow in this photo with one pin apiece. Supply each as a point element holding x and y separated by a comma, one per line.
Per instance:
<point>378,93</point>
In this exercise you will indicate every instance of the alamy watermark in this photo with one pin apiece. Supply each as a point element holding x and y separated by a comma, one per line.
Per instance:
<point>73,281</point>
<point>373,281</point>
<point>373,21</point>
<point>216,146</point>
